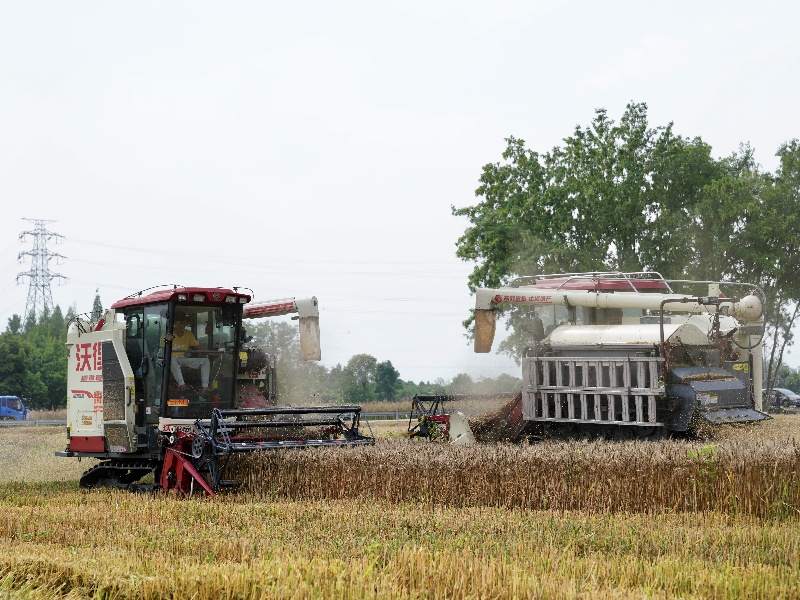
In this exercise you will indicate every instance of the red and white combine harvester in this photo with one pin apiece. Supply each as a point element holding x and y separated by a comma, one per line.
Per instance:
<point>153,388</point>
<point>630,353</point>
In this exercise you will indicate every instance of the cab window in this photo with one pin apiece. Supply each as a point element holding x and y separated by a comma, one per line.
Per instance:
<point>203,361</point>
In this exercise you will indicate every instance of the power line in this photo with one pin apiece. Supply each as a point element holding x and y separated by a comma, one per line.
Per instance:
<point>39,275</point>
<point>226,259</point>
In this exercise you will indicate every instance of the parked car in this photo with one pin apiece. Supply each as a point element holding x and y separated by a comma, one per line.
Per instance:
<point>12,409</point>
<point>783,398</point>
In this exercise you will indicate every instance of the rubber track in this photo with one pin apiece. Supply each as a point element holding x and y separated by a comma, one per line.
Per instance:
<point>113,473</point>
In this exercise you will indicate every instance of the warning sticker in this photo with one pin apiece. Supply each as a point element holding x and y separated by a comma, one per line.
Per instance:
<point>86,420</point>
<point>707,398</point>
<point>178,402</point>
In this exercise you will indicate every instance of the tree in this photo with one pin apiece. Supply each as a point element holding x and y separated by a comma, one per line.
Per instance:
<point>57,324</point>
<point>16,377</point>
<point>773,251</point>
<point>14,324</point>
<point>628,196</point>
<point>40,368</point>
<point>607,199</point>
<point>360,377</point>
<point>409,388</point>
<point>30,322</point>
<point>462,384</point>
<point>336,383</point>
<point>790,379</point>
<point>97,307</point>
<point>387,380</point>
<point>502,384</point>
<point>297,380</point>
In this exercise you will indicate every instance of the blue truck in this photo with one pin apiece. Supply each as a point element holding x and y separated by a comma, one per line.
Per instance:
<point>12,408</point>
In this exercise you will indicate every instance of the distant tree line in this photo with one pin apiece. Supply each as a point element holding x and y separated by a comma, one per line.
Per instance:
<point>34,356</point>
<point>34,359</point>
<point>363,378</point>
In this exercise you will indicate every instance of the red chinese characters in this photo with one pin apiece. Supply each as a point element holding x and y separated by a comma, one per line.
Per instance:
<point>89,356</point>
<point>499,299</point>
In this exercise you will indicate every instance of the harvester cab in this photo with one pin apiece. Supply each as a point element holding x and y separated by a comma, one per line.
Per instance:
<point>632,352</point>
<point>153,386</point>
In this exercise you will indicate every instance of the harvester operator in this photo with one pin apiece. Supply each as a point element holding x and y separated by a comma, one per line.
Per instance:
<point>183,340</point>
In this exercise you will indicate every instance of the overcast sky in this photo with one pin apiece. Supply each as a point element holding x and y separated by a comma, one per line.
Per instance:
<point>316,148</point>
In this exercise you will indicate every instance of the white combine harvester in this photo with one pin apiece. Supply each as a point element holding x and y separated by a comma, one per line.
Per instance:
<point>630,353</point>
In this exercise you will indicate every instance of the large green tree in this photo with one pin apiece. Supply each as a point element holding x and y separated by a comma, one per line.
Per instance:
<point>359,375</point>
<point>610,197</point>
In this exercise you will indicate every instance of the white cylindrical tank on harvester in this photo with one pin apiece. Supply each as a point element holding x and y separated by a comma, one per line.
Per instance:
<point>748,309</point>
<point>649,334</point>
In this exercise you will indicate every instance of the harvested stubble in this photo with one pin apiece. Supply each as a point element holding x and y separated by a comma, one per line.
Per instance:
<point>760,478</point>
<point>57,541</point>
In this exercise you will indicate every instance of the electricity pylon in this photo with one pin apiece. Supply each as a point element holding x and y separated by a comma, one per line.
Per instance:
<point>39,275</point>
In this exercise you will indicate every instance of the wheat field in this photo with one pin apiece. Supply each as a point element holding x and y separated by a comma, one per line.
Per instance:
<point>748,474</point>
<point>292,532</point>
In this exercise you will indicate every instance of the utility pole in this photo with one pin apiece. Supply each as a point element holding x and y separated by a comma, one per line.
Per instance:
<point>39,275</point>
